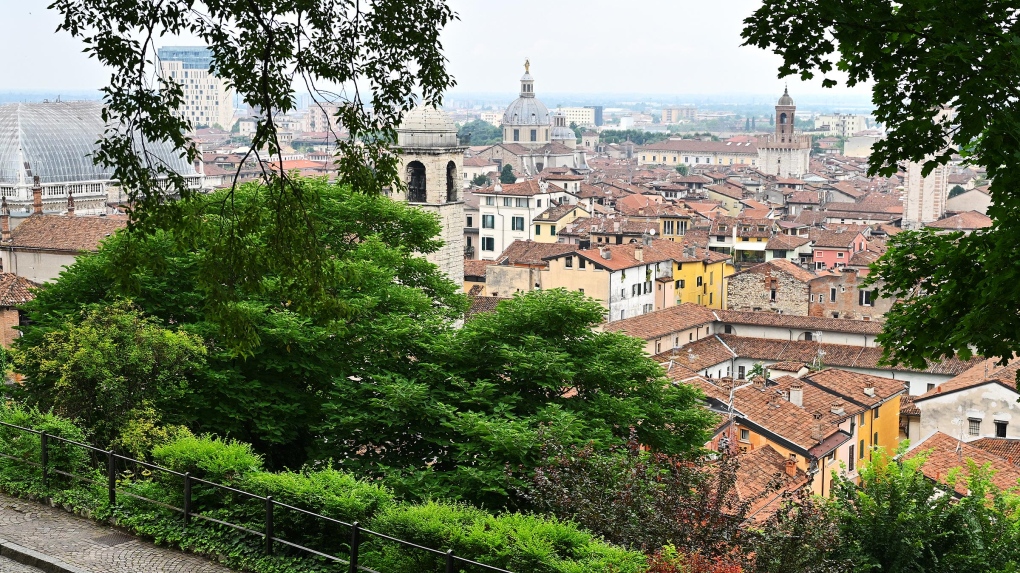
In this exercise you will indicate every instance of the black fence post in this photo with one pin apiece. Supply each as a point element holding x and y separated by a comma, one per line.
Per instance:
<point>111,476</point>
<point>44,456</point>
<point>449,561</point>
<point>355,542</point>
<point>187,498</point>
<point>269,525</point>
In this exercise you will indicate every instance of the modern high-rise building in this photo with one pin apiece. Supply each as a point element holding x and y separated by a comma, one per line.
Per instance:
<point>597,110</point>
<point>208,101</point>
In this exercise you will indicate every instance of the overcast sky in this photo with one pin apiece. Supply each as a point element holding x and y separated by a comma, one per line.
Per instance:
<point>575,46</point>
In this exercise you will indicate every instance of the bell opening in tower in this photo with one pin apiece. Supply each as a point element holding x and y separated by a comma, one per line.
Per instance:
<point>416,182</point>
<point>451,182</point>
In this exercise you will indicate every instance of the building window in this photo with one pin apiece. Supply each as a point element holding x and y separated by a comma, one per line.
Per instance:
<point>521,203</point>
<point>740,372</point>
<point>974,427</point>
<point>772,295</point>
<point>1000,429</point>
<point>623,314</point>
<point>490,201</point>
<point>648,287</point>
<point>517,223</point>
<point>580,262</point>
<point>808,336</point>
<point>745,435</point>
<point>470,221</point>
<point>488,244</point>
<point>488,221</point>
<point>552,230</point>
<point>569,262</point>
<point>647,308</point>
<point>635,290</point>
<point>839,255</point>
<point>865,297</point>
<point>680,284</point>
<point>538,230</point>
<point>700,281</point>
<point>508,202</point>
<point>832,294</point>
<point>538,202</point>
<point>874,414</point>
<point>931,386</point>
<point>623,293</point>
<point>534,135</point>
<point>850,466</point>
<point>517,135</point>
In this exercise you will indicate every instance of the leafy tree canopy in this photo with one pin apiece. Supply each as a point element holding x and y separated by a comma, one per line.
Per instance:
<point>478,132</point>
<point>368,58</point>
<point>507,174</point>
<point>942,85</point>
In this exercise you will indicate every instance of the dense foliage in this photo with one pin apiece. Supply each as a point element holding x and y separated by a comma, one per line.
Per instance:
<point>393,391</point>
<point>265,50</point>
<point>506,175</point>
<point>510,540</point>
<point>478,132</point>
<point>942,85</point>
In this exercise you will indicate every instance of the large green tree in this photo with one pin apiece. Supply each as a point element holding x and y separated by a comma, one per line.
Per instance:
<point>368,58</point>
<point>486,397</point>
<point>478,132</point>
<point>943,84</point>
<point>391,299</point>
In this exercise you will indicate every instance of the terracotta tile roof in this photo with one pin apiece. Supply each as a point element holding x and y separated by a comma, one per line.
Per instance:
<point>477,162</point>
<point>15,290</point>
<point>836,355</point>
<point>789,366</point>
<point>1006,448</point>
<point>968,221</point>
<point>824,403</point>
<point>525,188</point>
<point>852,385</point>
<point>833,239</point>
<point>908,407</point>
<point>532,253</point>
<point>475,269</point>
<point>847,188</point>
<point>662,322</point>
<point>946,454</point>
<point>786,242</point>
<point>727,190</point>
<point>695,356</point>
<point>692,179</point>
<point>551,175</point>
<point>483,304</point>
<point>804,198</point>
<point>756,213</point>
<point>864,258</point>
<point>62,233</point>
<point>762,480</point>
<point>782,265</point>
<point>982,372</point>
<point>622,256</point>
<point>557,212</point>
<point>799,322</point>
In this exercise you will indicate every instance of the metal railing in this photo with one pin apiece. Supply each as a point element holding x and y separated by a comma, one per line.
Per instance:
<point>357,534</point>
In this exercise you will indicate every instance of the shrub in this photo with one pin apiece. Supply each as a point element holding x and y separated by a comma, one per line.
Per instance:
<point>208,457</point>
<point>25,479</point>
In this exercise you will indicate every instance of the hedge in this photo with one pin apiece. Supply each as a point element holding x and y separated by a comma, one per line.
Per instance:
<point>518,542</point>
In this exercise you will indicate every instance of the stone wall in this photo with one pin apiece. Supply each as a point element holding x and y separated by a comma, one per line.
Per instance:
<point>752,290</point>
<point>848,298</point>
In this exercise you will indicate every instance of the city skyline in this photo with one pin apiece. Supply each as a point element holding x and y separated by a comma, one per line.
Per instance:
<point>573,51</point>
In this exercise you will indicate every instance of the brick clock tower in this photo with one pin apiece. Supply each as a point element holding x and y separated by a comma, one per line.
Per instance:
<point>432,161</point>
<point>785,153</point>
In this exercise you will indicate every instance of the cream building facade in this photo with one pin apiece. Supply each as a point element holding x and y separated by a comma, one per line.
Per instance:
<point>582,116</point>
<point>208,100</point>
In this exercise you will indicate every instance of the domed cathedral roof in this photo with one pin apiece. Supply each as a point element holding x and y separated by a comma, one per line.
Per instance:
<point>560,130</point>
<point>426,126</point>
<point>526,110</point>
<point>785,99</point>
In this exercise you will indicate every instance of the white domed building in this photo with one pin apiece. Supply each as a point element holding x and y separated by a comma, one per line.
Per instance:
<point>534,138</point>
<point>432,160</point>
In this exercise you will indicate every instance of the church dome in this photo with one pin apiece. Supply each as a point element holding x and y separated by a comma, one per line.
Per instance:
<point>426,126</point>
<point>785,99</point>
<point>526,110</point>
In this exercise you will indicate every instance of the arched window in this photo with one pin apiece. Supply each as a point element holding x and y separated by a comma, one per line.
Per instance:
<point>416,182</point>
<point>782,119</point>
<point>451,182</point>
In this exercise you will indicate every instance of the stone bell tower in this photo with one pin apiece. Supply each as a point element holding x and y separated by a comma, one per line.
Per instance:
<point>785,153</point>
<point>432,161</point>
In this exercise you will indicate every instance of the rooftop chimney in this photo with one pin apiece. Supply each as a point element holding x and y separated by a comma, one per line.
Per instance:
<point>797,395</point>
<point>5,220</point>
<point>36,196</point>
<point>639,253</point>
<point>869,391</point>
<point>837,408</point>
<point>606,253</point>
<point>70,204</point>
<point>791,465</point>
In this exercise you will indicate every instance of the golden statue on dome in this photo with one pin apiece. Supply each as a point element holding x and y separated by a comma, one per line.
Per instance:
<point>527,66</point>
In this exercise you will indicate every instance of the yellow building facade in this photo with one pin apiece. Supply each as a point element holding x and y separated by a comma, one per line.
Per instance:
<point>701,280</point>
<point>548,224</point>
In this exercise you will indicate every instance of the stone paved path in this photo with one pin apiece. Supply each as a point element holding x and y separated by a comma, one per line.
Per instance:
<point>87,545</point>
<point>8,566</point>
